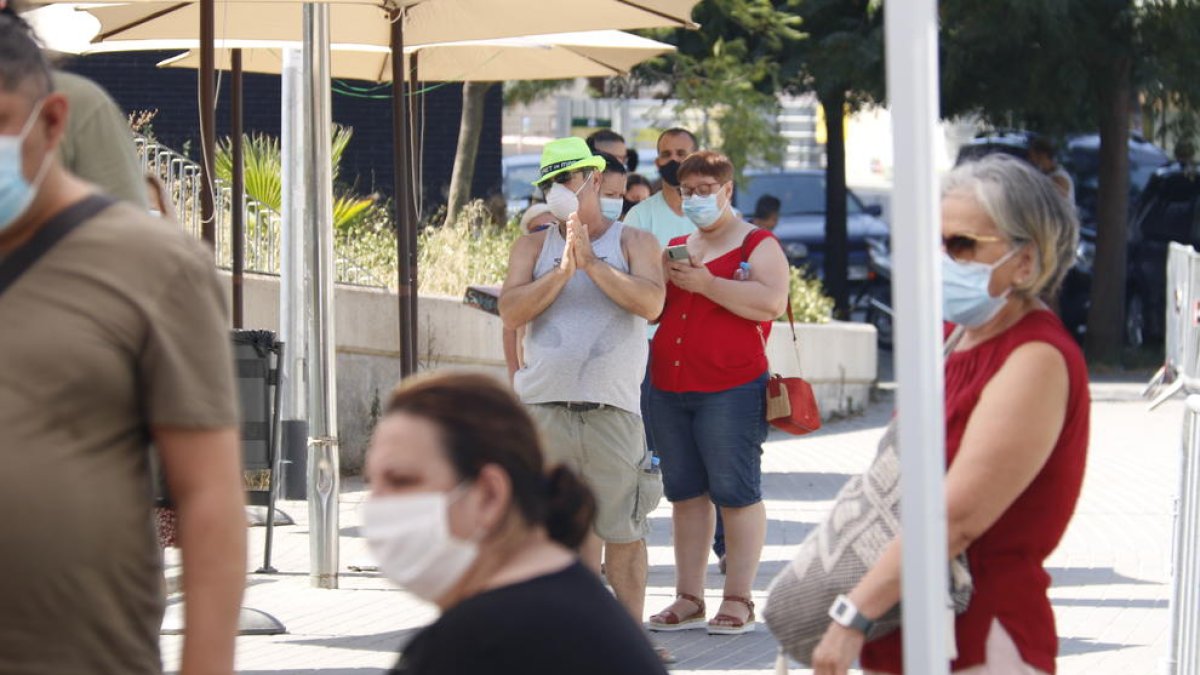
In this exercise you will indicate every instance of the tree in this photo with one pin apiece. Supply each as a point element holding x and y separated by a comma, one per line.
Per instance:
<point>728,70</point>
<point>1066,65</point>
<point>469,130</point>
<point>841,60</point>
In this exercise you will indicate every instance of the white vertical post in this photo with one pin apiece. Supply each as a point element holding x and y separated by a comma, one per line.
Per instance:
<point>322,403</point>
<point>912,84</point>
<point>292,267</point>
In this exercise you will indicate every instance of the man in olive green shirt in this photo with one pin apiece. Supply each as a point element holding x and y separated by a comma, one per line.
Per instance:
<point>114,338</point>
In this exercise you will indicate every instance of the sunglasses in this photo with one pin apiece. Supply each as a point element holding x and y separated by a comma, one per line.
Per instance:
<point>962,246</point>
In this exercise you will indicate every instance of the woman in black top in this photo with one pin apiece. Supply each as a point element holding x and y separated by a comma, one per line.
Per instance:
<point>462,513</point>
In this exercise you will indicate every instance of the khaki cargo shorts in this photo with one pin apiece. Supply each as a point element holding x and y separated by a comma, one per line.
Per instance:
<point>607,448</point>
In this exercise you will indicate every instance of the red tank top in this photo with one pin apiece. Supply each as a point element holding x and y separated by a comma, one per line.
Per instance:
<point>1007,560</point>
<point>700,345</point>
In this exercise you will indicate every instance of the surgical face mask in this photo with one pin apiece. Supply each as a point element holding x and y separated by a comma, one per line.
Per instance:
<point>563,201</point>
<point>703,211</point>
<point>965,297</point>
<point>670,173</point>
<point>409,535</point>
<point>16,193</point>
<point>611,207</point>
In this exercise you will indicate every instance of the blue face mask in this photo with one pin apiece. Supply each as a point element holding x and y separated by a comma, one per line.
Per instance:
<point>16,193</point>
<point>611,207</point>
<point>702,211</point>
<point>965,297</point>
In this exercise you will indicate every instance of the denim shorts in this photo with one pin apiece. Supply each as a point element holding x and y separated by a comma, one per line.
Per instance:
<point>711,442</point>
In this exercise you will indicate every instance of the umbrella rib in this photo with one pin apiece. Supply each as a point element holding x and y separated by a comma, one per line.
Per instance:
<point>614,71</point>
<point>145,19</point>
<point>686,23</point>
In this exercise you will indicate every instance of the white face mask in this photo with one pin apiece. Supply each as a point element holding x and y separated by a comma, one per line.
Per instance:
<point>610,207</point>
<point>409,535</point>
<point>563,201</point>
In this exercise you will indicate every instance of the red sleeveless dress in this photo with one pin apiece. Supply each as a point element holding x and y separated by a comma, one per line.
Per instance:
<point>1007,560</point>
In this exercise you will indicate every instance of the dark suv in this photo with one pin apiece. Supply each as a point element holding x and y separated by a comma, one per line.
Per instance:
<point>801,228</point>
<point>1081,158</point>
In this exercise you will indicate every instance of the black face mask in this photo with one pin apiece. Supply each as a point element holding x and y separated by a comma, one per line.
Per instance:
<point>631,161</point>
<point>626,206</point>
<point>670,173</point>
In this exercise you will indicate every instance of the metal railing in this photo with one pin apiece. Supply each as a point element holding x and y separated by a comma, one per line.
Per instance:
<point>1180,374</point>
<point>181,176</point>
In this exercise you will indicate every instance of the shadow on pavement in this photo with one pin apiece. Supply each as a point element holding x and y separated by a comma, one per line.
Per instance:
<point>1068,646</point>
<point>392,641</point>
<point>1121,603</point>
<point>1091,576</point>
<point>696,650</point>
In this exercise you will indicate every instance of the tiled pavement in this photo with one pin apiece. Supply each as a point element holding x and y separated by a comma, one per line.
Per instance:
<point>1110,574</point>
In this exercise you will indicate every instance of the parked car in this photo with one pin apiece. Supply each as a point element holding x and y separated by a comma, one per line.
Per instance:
<point>517,175</point>
<point>801,228</point>
<point>1081,158</point>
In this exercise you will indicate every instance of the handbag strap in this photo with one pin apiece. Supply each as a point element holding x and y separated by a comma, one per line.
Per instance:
<point>791,318</point>
<point>59,226</point>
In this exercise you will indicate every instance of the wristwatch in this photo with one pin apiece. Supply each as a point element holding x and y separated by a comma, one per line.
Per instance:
<point>845,613</point>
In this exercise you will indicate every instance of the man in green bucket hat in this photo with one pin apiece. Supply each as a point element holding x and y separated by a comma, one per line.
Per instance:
<point>584,290</point>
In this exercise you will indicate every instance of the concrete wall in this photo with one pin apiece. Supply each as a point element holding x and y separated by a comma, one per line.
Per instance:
<point>839,359</point>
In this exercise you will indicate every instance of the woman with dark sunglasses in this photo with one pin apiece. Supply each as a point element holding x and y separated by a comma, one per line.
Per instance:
<point>1016,405</point>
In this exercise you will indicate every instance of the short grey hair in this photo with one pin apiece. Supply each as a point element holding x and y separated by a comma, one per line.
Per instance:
<point>22,62</point>
<point>1027,208</point>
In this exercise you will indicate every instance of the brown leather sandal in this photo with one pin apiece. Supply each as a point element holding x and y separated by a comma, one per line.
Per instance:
<point>727,624</point>
<point>668,620</point>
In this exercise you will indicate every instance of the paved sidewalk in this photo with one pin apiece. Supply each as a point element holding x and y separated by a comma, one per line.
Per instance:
<point>1110,574</point>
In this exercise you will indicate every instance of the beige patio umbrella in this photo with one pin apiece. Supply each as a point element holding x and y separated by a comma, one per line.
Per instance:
<point>392,23</point>
<point>603,53</point>
<point>358,22</point>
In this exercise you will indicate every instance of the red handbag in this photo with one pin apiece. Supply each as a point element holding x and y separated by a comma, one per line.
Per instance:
<point>791,405</point>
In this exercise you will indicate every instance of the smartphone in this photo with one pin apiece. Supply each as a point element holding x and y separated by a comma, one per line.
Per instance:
<point>678,253</point>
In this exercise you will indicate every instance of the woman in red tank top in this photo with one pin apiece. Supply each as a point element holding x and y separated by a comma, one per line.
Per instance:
<point>1016,426</point>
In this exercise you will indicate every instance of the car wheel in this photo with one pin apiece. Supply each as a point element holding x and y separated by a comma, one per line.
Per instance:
<point>1135,321</point>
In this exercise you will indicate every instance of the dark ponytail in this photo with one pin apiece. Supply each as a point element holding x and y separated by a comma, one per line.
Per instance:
<point>570,507</point>
<point>482,423</point>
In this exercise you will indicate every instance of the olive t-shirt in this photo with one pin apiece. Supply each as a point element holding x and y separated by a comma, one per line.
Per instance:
<point>119,327</point>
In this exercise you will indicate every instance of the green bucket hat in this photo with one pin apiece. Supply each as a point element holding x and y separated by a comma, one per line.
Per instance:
<point>564,155</point>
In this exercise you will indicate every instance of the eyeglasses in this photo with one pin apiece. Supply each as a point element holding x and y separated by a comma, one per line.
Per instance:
<point>702,190</point>
<point>961,246</point>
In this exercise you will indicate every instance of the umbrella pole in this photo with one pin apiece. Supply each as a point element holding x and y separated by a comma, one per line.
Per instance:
<point>208,127</point>
<point>406,233</point>
<point>417,117</point>
<point>323,475</point>
<point>238,224</point>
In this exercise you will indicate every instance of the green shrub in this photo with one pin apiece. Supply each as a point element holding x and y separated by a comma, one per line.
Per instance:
<point>473,251</point>
<point>809,302</point>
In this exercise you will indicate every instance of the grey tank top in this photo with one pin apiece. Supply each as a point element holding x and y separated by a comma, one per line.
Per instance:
<point>584,347</point>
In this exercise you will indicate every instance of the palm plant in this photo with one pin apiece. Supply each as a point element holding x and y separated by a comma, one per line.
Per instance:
<point>263,175</point>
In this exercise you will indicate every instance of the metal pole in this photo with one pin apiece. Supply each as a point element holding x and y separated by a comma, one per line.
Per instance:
<point>292,270</point>
<point>417,126</point>
<point>208,125</point>
<point>406,229</point>
<point>1184,617</point>
<point>322,403</point>
<point>237,235</point>
<point>912,78</point>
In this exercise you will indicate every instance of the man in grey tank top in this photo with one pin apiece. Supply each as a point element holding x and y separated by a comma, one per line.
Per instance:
<point>584,292</point>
